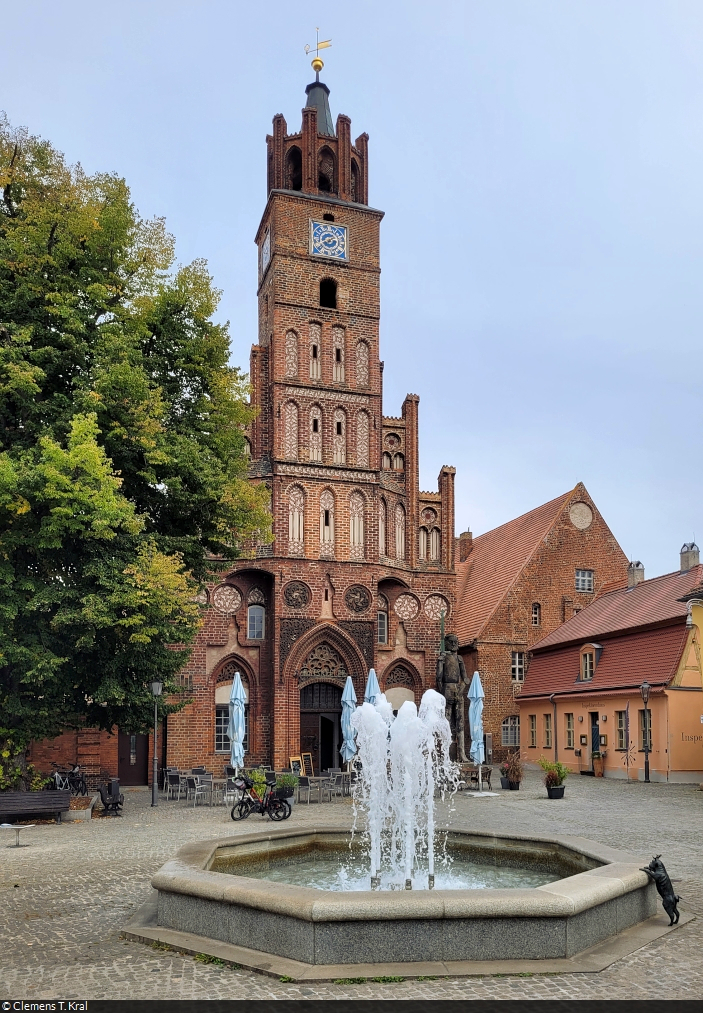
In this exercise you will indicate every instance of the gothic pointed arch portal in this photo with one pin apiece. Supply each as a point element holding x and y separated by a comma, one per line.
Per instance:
<point>315,673</point>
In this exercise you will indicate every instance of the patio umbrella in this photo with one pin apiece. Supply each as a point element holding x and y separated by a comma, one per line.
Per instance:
<point>348,707</point>
<point>236,727</point>
<point>373,690</point>
<point>476,696</point>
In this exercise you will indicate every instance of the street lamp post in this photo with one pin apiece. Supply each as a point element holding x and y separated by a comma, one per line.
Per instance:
<point>644,691</point>
<point>156,688</point>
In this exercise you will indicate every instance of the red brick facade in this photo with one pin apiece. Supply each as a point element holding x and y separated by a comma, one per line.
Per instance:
<point>531,561</point>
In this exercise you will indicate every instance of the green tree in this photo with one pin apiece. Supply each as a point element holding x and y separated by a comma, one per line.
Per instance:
<point>122,464</point>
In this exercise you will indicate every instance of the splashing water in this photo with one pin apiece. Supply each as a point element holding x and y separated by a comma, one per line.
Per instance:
<point>400,764</point>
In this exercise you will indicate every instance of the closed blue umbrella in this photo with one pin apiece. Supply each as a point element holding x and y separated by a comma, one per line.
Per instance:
<point>476,696</point>
<point>348,707</point>
<point>237,727</point>
<point>373,690</point>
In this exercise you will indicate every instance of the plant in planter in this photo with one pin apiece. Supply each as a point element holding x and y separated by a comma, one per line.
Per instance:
<point>598,756</point>
<point>286,785</point>
<point>514,771</point>
<point>504,775</point>
<point>555,773</point>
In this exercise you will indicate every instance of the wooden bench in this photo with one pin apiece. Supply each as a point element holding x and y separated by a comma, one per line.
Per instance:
<point>34,803</point>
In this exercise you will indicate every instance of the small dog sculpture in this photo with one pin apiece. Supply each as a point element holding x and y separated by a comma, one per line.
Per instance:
<point>656,871</point>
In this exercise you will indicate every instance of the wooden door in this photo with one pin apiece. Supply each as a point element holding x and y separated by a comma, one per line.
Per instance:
<point>133,764</point>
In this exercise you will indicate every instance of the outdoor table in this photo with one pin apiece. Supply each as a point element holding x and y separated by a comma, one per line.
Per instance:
<point>16,828</point>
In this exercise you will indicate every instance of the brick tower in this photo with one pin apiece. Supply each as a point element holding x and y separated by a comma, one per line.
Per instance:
<point>362,562</point>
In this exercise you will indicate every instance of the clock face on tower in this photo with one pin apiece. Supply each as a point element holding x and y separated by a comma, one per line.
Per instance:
<point>328,240</point>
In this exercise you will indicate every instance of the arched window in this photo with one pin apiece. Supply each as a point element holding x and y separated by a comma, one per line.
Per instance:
<point>290,441</point>
<point>356,526</point>
<point>296,518</point>
<point>328,293</point>
<point>536,614</point>
<point>223,691</point>
<point>326,175</point>
<point>382,620</point>
<point>398,462</point>
<point>256,615</point>
<point>315,433</point>
<point>339,438</point>
<point>354,181</point>
<point>291,353</point>
<point>435,541</point>
<point>399,531</point>
<point>362,364</point>
<point>422,544</point>
<point>387,462</point>
<point>315,341</point>
<point>294,169</point>
<point>362,439</point>
<point>327,524</point>
<point>338,354</point>
<point>382,526</point>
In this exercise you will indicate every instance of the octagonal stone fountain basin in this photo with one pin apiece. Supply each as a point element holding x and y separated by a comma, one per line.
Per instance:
<point>219,889</point>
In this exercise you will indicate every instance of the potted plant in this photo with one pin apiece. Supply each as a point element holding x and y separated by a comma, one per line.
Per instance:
<point>514,771</point>
<point>285,786</point>
<point>598,757</point>
<point>504,775</point>
<point>555,774</point>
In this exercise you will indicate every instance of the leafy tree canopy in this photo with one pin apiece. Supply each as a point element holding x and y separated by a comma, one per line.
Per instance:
<point>122,465</point>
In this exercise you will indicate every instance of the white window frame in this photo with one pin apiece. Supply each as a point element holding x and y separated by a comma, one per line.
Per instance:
<point>585,580</point>
<point>517,666</point>
<point>510,730</point>
<point>254,613</point>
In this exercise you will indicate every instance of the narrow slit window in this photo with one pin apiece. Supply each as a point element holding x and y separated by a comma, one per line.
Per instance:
<point>328,293</point>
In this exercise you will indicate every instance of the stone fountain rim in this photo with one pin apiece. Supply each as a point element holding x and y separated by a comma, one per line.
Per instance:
<point>189,874</point>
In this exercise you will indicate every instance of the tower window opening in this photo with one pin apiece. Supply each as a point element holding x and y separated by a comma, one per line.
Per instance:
<point>294,170</point>
<point>327,518</point>
<point>328,293</point>
<point>314,351</point>
<point>328,218</point>
<point>326,171</point>
<point>339,429</point>
<point>316,425</point>
<point>338,355</point>
<point>354,181</point>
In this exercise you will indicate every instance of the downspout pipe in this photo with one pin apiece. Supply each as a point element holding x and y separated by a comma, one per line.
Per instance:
<point>554,722</point>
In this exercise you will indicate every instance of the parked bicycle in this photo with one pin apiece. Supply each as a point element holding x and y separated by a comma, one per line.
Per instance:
<point>267,805</point>
<point>73,779</point>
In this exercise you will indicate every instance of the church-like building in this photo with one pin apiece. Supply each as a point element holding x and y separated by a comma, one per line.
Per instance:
<point>361,567</point>
<point>364,566</point>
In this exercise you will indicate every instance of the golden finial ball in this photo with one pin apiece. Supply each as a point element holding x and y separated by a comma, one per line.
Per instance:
<point>317,64</point>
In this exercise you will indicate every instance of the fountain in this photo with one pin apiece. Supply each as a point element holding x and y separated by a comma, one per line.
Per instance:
<point>321,896</point>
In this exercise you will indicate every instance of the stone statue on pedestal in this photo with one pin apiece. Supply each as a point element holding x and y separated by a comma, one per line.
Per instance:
<point>452,683</point>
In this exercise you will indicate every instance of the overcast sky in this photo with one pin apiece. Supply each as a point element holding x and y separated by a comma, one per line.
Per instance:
<point>540,163</point>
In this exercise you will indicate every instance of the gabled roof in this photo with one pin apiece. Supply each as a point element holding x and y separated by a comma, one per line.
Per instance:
<point>625,661</point>
<point>652,601</point>
<point>496,560</point>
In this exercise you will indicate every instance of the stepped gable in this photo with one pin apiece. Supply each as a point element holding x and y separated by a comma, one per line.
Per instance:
<point>495,562</point>
<point>652,601</point>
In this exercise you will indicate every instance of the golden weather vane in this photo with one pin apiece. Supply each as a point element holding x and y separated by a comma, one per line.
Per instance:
<point>317,63</point>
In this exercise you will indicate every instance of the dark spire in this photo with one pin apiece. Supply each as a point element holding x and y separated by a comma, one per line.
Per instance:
<point>317,93</point>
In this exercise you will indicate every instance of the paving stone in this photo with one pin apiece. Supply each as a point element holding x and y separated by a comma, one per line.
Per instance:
<point>66,896</point>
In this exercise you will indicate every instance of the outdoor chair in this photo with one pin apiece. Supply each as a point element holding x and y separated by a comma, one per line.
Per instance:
<point>231,792</point>
<point>173,786</point>
<point>194,789</point>
<point>336,786</point>
<point>485,778</point>
<point>198,770</point>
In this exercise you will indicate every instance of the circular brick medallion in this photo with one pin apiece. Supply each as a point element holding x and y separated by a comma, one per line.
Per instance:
<point>435,605</point>
<point>357,598</point>
<point>407,606</point>
<point>226,599</point>
<point>429,515</point>
<point>296,594</point>
<point>581,516</point>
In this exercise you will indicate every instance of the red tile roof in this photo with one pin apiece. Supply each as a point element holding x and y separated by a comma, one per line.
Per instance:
<point>652,601</point>
<point>496,561</point>
<point>626,661</point>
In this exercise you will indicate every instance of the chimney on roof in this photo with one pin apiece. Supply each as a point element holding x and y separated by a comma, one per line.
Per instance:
<point>635,573</point>
<point>465,545</point>
<point>690,556</point>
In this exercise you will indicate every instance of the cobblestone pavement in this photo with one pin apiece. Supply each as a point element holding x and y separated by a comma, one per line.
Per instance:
<point>65,897</point>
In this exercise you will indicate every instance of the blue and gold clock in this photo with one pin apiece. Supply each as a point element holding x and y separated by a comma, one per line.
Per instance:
<point>328,240</point>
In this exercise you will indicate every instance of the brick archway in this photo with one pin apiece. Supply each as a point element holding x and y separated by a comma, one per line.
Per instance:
<point>287,731</point>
